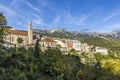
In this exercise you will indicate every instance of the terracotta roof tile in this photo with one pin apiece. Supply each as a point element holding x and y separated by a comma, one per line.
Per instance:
<point>18,32</point>
<point>47,40</point>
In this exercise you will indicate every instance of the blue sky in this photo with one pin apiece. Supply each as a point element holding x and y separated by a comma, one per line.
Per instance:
<point>71,15</point>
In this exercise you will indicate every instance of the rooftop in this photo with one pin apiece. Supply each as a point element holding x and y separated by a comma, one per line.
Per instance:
<point>18,32</point>
<point>47,40</point>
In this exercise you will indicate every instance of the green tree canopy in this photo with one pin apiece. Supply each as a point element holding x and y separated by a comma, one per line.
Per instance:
<point>3,21</point>
<point>3,24</point>
<point>58,46</point>
<point>72,51</point>
<point>19,40</point>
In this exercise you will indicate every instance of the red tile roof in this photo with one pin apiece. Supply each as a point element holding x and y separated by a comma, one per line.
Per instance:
<point>18,32</point>
<point>47,40</point>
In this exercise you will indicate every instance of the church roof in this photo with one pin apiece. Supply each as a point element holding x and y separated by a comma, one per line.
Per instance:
<point>18,32</point>
<point>47,40</point>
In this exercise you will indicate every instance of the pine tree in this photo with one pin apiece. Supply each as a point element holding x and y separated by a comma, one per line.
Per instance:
<point>3,27</point>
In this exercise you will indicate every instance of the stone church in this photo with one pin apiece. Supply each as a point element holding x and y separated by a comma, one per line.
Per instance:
<point>13,35</point>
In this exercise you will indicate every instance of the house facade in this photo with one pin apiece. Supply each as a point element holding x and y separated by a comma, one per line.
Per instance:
<point>85,47</point>
<point>47,42</point>
<point>62,43</point>
<point>101,50</point>
<point>69,45</point>
<point>74,44</point>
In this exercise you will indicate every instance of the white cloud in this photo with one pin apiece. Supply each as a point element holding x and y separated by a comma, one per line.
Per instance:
<point>34,15</point>
<point>44,3</point>
<point>14,19</point>
<point>31,6</point>
<point>49,5</point>
<point>7,10</point>
<point>109,17</point>
<point>69,20</point>
<point>57,19</point>
<point>36,19</point>
<point>17,18</point>
<point>13,3</point>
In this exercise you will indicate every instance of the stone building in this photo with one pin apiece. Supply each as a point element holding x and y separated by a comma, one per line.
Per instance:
<point>74,44</point>
<point>85,47</point>
<point>62,43</point>
<point>47,42</point>
<point>13,35</point>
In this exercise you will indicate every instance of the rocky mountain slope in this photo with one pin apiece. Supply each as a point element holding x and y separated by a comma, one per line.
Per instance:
<point>58,32</point>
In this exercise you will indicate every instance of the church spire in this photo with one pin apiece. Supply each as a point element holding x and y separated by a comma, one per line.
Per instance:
<point>30,33</point>
<point>30,23</point>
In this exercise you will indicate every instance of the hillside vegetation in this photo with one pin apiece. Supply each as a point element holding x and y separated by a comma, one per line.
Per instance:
<point>112,44</point>
<point>33,64</point>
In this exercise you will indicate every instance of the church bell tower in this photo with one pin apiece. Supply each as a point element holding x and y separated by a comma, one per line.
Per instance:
<point>30,33</point>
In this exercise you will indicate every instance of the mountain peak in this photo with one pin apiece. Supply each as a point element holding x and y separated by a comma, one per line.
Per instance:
<point>57,30</point>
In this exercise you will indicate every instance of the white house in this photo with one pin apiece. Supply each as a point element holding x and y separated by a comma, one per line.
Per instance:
<point>85,47</point>
<point>48,42</point>
<point>103,51</point>
<point>76,45</point>
<point>62,43</point>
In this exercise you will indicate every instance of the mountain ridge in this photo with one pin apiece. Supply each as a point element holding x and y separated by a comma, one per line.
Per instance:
<point>113,34</point>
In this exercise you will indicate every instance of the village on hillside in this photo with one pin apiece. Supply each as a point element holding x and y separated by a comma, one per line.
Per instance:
<point>59,40</point>
<point>65,45</point>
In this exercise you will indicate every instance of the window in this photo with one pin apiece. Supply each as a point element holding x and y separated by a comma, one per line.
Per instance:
<point>12,39</point>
